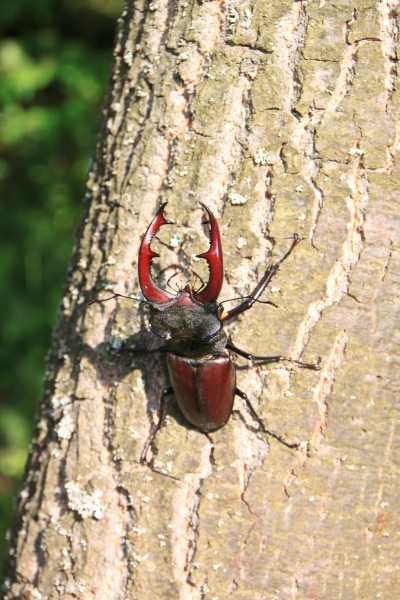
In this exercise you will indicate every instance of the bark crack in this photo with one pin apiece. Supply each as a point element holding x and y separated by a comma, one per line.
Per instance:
<point>338,279</point>
<point>303,138</point>
<point>390,37</point>
<point>324,387</point>
<point>185,523</point>
<point>289,39</point>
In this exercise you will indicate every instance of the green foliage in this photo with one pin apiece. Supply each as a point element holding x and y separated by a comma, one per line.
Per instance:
<point>54,65</point>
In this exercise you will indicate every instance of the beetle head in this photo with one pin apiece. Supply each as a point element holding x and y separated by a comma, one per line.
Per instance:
<point>156,295</point>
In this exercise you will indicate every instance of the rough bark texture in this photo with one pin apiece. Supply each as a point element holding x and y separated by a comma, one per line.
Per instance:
<point>283,116</point>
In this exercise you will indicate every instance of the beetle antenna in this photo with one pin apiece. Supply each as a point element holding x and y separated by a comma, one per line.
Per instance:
<point>100,301</point>
<point>202,283</point>
<point>173,266</point>
<point>172,276</point>
<point>178,269</point>
<point>255,300</point>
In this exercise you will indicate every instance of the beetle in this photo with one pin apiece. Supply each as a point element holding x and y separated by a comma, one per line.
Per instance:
<point>201,371</point>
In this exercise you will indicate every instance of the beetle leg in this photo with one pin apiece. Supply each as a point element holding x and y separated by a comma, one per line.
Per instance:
<point>272,359</point>
<point>141,351</point>
<point>254,414</point>
<point>155,427</point>
<point>262,285</point>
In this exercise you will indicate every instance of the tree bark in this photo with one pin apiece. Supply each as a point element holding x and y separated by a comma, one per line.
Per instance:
<point>282,116</point>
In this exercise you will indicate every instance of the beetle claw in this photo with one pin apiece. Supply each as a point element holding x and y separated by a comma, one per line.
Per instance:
<point>213,256</point>
<point>151,291</point>
<point>156,295</point>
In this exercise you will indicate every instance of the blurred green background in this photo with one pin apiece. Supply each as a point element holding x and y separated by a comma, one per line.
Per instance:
<point>55,60</point>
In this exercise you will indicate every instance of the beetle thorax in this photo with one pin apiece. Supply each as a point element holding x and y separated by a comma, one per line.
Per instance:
<point>188,326</point>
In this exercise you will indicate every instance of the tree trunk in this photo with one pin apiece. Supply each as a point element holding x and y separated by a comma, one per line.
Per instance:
<point>282,116</point>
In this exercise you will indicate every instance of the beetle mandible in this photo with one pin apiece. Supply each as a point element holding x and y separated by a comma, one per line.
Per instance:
<point>202,373</point>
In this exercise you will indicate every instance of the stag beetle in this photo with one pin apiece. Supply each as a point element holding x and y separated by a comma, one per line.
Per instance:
<point>202,374</point>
